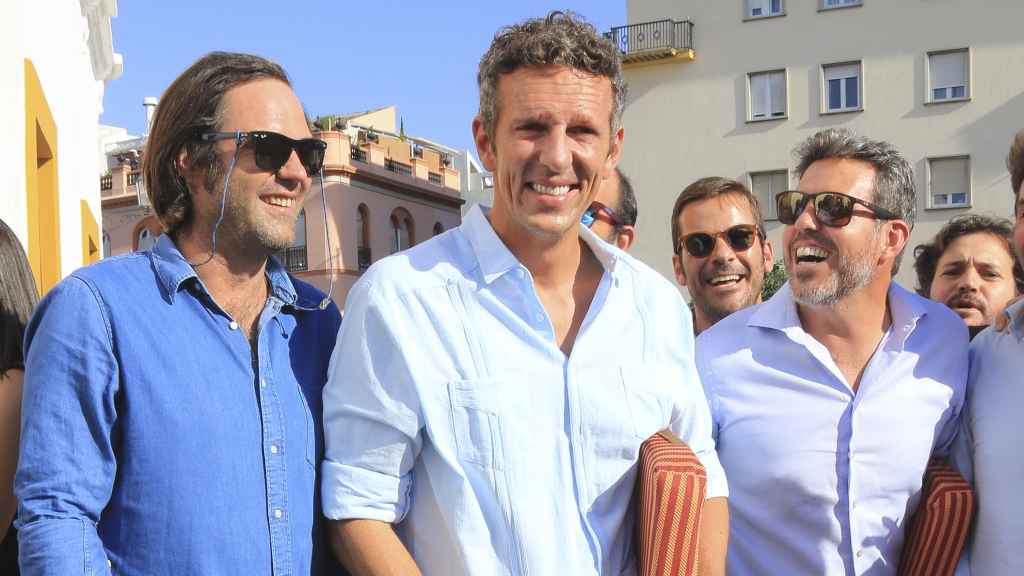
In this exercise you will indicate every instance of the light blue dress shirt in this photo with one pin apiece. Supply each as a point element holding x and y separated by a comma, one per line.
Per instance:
<point>823,480</point>
<point>451,411</point>
<point>988,449</point>
<point>156,441</point>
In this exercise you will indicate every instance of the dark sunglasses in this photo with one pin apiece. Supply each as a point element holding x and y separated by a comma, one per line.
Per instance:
<point>740,238</point>
<point>272,150</point>
<point>833,209</point>
<point>598,211</point>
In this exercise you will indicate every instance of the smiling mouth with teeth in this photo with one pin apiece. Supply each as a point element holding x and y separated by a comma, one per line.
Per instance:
<point>556,191</point>
<point>811,254</point>
<point>280,201</point>
<point>725,279</point>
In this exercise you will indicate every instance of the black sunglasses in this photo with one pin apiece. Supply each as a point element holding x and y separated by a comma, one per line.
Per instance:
<point>740,238</point>
<point>272,150</point>
<point>833,209</point>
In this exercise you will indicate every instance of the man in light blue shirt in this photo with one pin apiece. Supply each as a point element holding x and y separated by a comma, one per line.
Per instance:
<point>829,399</point>
<point>491,387</point>
<point>988,447</point>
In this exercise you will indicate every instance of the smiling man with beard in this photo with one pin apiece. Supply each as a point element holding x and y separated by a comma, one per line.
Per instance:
<point>492,386</point>
<point>829,399</point>
<point>719,249</point>
<point>171,412</point>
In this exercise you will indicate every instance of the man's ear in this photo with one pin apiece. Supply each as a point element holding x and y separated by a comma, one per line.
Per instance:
<point>677,265</point>
<point>769,255</point>
<point>897,237</point>
<point>625,238</point>
<point>614,152</point>
<point>484,145</point>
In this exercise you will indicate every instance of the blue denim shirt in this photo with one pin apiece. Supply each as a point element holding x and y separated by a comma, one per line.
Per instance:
<point>153,439</point>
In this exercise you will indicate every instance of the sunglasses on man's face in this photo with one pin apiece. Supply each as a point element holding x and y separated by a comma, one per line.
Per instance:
<point>598,211</point>
<point>833,209</point>
<point>272,150</point>
<point>740,238</point>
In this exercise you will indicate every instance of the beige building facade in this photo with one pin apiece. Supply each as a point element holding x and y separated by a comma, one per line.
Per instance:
<point>384,191</point>
<point>728,88</point>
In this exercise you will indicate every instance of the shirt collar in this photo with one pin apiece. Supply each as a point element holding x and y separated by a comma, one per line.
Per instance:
<point>779,312</point>
<point>1015,313</point>
<point>173,270</point>
<point>495,259</point>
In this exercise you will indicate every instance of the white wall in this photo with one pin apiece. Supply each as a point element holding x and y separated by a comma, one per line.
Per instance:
<point>54,35</point>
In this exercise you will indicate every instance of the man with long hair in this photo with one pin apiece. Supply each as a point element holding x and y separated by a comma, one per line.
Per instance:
<point>172,396</point>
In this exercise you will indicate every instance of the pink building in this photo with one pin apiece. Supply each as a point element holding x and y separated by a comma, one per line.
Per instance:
<point>385,192</point>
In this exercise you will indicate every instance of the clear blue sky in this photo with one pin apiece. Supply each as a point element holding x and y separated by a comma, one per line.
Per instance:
<point>342,55</point>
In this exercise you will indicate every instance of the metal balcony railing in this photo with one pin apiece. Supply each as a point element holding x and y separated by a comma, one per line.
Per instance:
<point>358,153</point>
<point>398,167</point>
<point>650,41</point>
<point>133,178</point>
<point>435,178</point>
<point>106,182</point>
<point>293,258</point>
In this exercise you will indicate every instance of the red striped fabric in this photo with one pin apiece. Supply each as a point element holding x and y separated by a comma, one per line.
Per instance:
<point>938,530</point>
<point>671,485</point>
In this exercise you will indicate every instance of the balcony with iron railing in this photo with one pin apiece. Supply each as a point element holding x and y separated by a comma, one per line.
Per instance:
<point>653,42</point>
<point>293,258</point>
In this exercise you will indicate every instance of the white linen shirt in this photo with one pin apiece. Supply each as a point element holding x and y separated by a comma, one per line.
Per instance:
<point>988,451</point>
<point>451,411</point>
<point>822,480</point>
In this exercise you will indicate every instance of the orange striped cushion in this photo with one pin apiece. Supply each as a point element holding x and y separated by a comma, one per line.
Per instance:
<point>938,530</point>
<point>671,484</point>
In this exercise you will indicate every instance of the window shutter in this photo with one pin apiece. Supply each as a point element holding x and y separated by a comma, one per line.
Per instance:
<point>948,176</point>
<point>778,93</point>
<point>949,69</point>
<point>759,95</point>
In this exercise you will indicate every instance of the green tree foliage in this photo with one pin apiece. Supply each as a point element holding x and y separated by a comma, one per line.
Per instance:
<point>773,280</point>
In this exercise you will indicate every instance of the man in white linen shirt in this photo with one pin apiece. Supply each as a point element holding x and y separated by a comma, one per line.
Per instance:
<point>988,450</point>
<point>491,386</point>
<point>829,399</point>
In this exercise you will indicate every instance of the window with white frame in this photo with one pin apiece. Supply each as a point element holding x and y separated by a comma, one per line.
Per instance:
<point>765,185</point>
<point>949,182</point>
<point>826,4</point>
<point>763,8</point>
<point>843,87</point>
<point>948,75</point>
<point>767,95</point>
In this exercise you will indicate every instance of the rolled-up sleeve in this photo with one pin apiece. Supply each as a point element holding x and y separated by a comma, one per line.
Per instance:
<point>372,418</point>
<point>66,466</point>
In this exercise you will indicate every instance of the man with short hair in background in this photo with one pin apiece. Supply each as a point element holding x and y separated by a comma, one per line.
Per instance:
<point>171,413</point>
<point>612,215</point>
<point>719,249</point>
<point>492,386</point>
<point>988,448</point>
<point>830,398</point>
<point>971,267</point>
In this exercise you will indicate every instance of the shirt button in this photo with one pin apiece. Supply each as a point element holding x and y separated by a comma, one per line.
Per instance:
<point>278,513</point>
<point>539,317</point>
<point>233,325</point>
<point>263,383</point>
<point>860,553</point>
<point>273,448</point>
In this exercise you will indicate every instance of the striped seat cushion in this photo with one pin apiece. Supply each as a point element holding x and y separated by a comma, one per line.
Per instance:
<point>671,485</point>
<point>938,530</point>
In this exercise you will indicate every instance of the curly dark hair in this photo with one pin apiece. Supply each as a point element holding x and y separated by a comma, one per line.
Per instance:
<point>1015,163</point>
<point>926,256</point>
<point>562,39</point>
